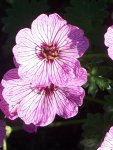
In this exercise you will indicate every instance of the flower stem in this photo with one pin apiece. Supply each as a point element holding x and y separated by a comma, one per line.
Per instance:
<point>5,144</point>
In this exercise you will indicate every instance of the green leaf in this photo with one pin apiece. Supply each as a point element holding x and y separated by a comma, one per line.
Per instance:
<point>98,78</point>
<point>103,83</point>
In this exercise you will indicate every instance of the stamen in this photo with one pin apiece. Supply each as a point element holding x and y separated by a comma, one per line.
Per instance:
<point>49,52</point>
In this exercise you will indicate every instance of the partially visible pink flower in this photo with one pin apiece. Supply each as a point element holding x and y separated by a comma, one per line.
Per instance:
<point>2,132</point>
<point>109,41</point>
<point>107,144</point>
<point>40,104</point>
<point>30,128</point>
<point>47,50</point>
<point>9,110</point>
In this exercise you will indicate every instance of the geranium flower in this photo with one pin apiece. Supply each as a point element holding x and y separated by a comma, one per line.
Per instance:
<point>46,52</point>
<point>40,104</point>
<point>109,41</point>
<point>107,144</point>
<point>2,132</point>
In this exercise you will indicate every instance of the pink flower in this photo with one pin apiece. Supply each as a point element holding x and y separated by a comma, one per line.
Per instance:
<point>2,132</point>
<point>8,110</point>
<point>109,41</point>
<point>39,105</point>
<point>48,50</point>
<point>107,144</point>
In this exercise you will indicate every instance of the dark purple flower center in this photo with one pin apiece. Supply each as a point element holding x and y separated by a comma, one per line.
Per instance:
<point>49,52</point>
<point>45,90</point>
<point>49,89</point>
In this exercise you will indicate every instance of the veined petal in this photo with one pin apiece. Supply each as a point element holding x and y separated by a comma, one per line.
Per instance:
<point>12,90</point>
<point>37,73</point>
<point>71,40</point>
<point>25,38</point>
<point>55,24</point>
<point>46,27</point>
<point>68,100</point>
<point>39,28</point>
<point>58,73</point>
<point>24,54</point>
<point>24,50</point>
<point>37,109</point>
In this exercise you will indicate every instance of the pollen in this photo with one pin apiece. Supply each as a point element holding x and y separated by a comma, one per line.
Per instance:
<point>49,52</point>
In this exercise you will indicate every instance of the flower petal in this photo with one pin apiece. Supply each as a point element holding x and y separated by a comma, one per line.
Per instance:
<point>39,28</point>
<point>24,54</point>
<point>57,74</point>
<point>110,52</point>
<point>72,41</point>
<point>12,90</point>
<point>10,75</point>
<point>31,107</point>
<point>35,72</point>
<point>109,37</point>
<point>25,46</point>
<point>37,109</point>
<point>68,100</point>
<point>25,38</point>
<point>8,110</point>
<point>46,27</point>
<point>78,76</point>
